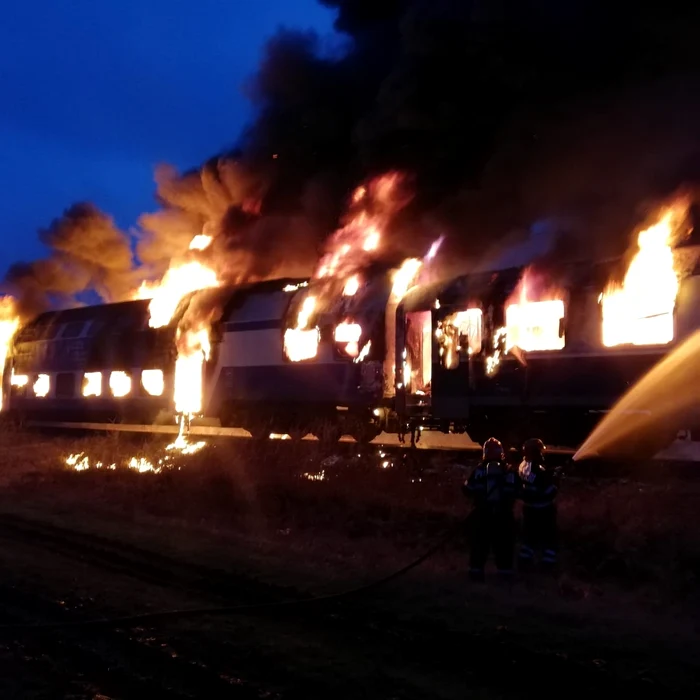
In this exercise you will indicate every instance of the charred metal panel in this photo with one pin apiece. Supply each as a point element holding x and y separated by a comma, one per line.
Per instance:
<point>299,383</point>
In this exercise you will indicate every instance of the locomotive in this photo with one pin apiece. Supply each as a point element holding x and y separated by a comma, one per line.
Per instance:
<point>471,354</point>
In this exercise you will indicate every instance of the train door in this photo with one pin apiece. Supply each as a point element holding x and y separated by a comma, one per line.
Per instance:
<point>417,359</point>
<point>458,344</point>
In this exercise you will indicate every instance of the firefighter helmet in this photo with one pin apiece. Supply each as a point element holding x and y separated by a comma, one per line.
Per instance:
<point>533,450</point>
<point>493,450</point>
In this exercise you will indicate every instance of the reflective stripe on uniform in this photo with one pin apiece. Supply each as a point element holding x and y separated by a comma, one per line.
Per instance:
<point>526,552</point>
<point>549,556</point>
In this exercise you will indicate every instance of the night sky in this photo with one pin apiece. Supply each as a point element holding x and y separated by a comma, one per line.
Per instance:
<point>94,94</point>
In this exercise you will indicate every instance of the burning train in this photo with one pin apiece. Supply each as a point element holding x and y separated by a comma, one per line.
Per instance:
<point>356,350</point>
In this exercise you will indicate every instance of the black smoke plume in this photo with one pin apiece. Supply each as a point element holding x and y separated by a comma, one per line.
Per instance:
<point>87,252</point>
<point>499,112</point>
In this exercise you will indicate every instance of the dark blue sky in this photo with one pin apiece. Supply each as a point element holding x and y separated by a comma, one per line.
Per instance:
<point>94,93</point>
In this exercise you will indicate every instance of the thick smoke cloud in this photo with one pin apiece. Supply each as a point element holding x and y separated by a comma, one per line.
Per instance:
<point>503,113</point>
<point>87,253</point>
<point>500,114</point>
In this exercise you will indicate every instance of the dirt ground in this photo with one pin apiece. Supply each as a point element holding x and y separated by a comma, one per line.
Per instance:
<point>238,525</point>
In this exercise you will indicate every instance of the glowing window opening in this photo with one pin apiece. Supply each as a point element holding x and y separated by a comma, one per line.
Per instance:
<point>153,382</point>
<point>119,384</point>
<point>348,333</point>
<point>646,322</point>
<point>42,385</point>
<point>92,384</point>
<point>19,380</point>
<point>301,344</point>
<point>535,325</point>
<point>467,324</point>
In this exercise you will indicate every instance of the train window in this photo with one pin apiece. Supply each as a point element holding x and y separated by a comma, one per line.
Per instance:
<point>417,355</point>
<point>19,383</point>
<point>536,325</point>
<point>51,331</point>
<point>42,385</point>
<point>459,333</point>
<point>153,382</point>
<point>119,383</point>
<point>92,384</point>
<point>65,385</point>
<point>73,330</point>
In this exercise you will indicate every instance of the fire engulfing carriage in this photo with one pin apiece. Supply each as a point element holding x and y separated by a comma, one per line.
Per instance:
<point>510,352</point>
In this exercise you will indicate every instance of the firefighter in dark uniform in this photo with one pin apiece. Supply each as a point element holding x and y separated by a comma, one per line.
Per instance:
<point>492,487</point>
<point>538,489</point>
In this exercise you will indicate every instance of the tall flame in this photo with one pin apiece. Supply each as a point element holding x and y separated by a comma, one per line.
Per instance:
<point>301,342</point>
<point>9,323</point>
<point>405,277</point>
<point>177,283</point>
<point>354,245</point>
<point>193,344</point>
<point>194,348</point>
<point>640,310</point>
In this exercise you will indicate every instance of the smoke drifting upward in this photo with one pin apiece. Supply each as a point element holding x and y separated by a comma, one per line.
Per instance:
<point>87,253</point>
<point>502,113</point>
<point>223,200</point>
<point>498,114</point>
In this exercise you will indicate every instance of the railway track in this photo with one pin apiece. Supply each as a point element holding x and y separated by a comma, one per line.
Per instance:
<point>429,440</point>
<point>680,460</point>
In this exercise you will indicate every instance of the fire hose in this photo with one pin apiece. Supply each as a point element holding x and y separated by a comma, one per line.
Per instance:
<point>154,617</point>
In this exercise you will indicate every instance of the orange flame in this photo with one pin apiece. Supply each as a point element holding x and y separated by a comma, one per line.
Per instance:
<point>153,382</point>
<point>301,343</point>
<point>119,384</point>
<point>193,345</point>
<point>405,277</point>
<point>18,380</point>
<point>189,371</point>
<point>534,315</point>
<point>42,385</point>
<point>9,323</point>
<point>350,334</point>
<point>640,310</point>
<point>351,286</point>
<point>534,320</point>
<point>92,384</point>
<point>350,248</point>
<point>201,242</point>
<point>177,283</point>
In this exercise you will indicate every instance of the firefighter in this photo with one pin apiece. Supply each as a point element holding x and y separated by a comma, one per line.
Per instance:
<point>538,490</point>
<point>492,487</point>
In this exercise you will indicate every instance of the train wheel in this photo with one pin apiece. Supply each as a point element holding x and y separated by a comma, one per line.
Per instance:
<point>328,432</point>
<point>259,429</point>
<point>364,434</point>
<point>297,433</point>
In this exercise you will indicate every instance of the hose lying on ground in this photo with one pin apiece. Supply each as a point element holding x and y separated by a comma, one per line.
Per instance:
<point>152,617</point>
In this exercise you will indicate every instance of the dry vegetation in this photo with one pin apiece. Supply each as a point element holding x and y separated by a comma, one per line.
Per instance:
<point>618,534</point>
<point>625,596</point>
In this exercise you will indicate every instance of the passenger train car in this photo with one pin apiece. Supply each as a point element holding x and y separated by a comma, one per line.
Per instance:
<point>451,349</point>
<point>472,354</point>
<point>104,363</point>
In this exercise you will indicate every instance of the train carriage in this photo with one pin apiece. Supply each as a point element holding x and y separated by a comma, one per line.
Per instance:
<point>556,380</point>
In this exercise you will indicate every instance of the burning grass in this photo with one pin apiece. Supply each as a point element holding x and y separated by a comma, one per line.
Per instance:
<point>361,509</point>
